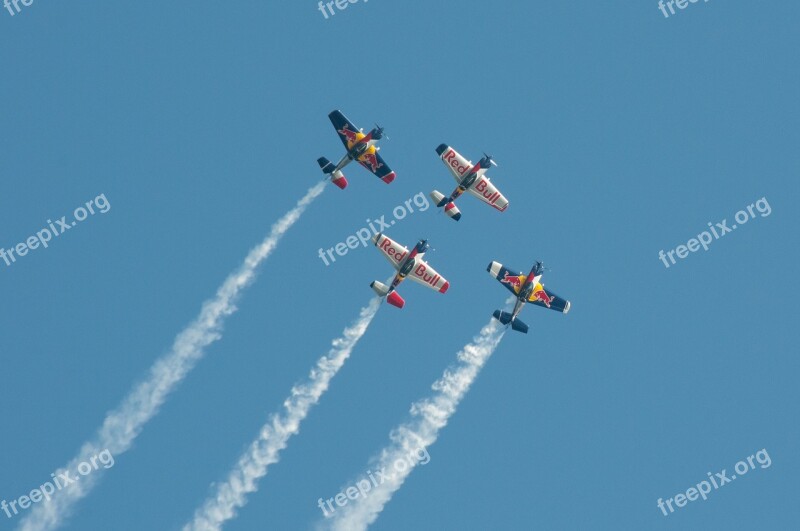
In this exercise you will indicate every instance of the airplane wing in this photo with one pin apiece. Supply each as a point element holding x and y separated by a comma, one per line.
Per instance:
<point>427,276</point>
<point>393,251</point>
<point>373,162</point>
<point>484,190</point>
<point>458,165</point>
<point>556,302</point>
<point>512,280</point>
<point>344,128</point>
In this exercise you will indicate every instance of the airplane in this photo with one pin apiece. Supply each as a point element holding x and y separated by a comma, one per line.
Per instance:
<point>470,178</point>
<point>409,264</point>
<point>526,289</point>
<point>359,147</point>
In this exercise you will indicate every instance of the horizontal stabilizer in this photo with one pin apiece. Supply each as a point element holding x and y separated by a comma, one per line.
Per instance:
<point>380,288</point>
<point>452,211</point>
<point>326,165</point>
<point>395,299</point>
<point>506,318</point>
<point>503,317</point>
<point>337,177</point>
<point>450,208</point>
<point>437,197</point>
<point>392,297</point>
<point>519,326</point>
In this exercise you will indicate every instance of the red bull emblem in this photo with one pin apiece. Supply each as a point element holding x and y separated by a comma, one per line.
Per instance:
<point>513,280</point>
<point>369,159</point>
<point>543,296</point>
<point>351,136</point>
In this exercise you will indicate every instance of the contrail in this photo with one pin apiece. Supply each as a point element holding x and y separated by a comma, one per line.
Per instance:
<point>124,424</point>
<point>275,434</point>
<point>429,416</point>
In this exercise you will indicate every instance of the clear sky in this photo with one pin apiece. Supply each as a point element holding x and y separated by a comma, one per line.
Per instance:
<point>619,133</point>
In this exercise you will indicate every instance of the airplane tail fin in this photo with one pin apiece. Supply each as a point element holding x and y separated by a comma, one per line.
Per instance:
<point>337,177</point>
<point>506,318</point>
<point>392,297</point>
<point>326,165</point>
<point>450,208</point>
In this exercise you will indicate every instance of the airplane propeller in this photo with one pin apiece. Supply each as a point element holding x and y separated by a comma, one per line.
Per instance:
<point>489,159</point>
<point>380,132</point>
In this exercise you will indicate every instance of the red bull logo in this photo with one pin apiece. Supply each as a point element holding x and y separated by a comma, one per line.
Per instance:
<point>543,296</point>
<point>513,280</point>
<point>371,160</point>
<point>351,136</point>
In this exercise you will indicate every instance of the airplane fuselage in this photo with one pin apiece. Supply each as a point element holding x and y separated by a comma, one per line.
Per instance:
<point>528,287</point>
<point>360,146</point>
<point>468,180</point>
<point>518,307</point>
<point>409,263</point>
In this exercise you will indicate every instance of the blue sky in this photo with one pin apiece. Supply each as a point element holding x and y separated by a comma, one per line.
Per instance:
<point>619,133</point>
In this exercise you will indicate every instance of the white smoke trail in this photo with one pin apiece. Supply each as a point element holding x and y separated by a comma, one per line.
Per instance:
<point>429,416</point>
<point>124,424</point>
<point>275,434</point>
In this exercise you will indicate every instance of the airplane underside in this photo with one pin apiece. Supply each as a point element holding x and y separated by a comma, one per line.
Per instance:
<point>507,318</point>
<point>511,318</point>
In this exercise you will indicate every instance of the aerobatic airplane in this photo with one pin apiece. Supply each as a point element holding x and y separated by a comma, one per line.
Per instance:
<point>470,178</point>
<point>408,264</point>
<point>527,289</point>
<point>359,147</point>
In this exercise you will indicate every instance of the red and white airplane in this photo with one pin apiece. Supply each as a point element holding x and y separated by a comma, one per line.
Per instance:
<point>470,178</point>
<point>408,264</point>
